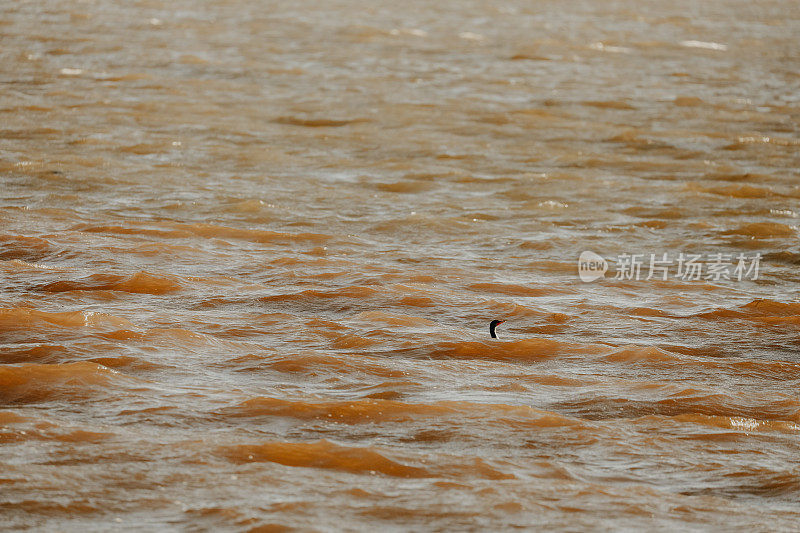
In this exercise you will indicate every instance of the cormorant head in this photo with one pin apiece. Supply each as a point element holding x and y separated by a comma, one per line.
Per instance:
<point>493,324</point>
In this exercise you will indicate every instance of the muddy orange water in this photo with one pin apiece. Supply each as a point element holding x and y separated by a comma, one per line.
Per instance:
<point>250,251</point>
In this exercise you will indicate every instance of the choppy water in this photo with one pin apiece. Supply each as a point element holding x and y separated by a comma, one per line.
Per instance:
<point>249,252</point>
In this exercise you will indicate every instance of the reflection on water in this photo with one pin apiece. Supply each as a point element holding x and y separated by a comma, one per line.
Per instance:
<point>249,254</point>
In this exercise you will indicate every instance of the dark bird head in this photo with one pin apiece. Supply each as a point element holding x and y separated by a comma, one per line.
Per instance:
<point>493,324</point>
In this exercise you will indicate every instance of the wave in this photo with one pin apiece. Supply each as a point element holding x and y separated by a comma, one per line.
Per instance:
<point>33,383</point>
<point>369,410</point>
<point>313,363</point>
<point>182,231</point>
<point>353,292</point>
<point>515,290</point>
<point>24,248</point>
<point>763,230</point>
<point>741,425</point>
<point>139,283</point>
<point>40,353</point>
<point>20,429</point>
<point>688,402</point>
<point>318,122</point>
<point>368,460</point>
<point>24,319</point>
<point>498,350</point>
<point>391,319</point>
<point>759,310</point>
<point>736,191</point>
<point>323,454</point>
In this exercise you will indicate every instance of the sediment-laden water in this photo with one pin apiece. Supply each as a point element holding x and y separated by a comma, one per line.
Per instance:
<point>249,252</point>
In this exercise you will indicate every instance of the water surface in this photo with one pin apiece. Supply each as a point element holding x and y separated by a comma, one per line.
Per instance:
<point>249,252</point>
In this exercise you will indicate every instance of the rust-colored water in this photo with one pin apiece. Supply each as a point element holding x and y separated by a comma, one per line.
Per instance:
<point>249,252</point>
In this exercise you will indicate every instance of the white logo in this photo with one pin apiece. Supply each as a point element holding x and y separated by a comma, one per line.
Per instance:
<point>591,266</point>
